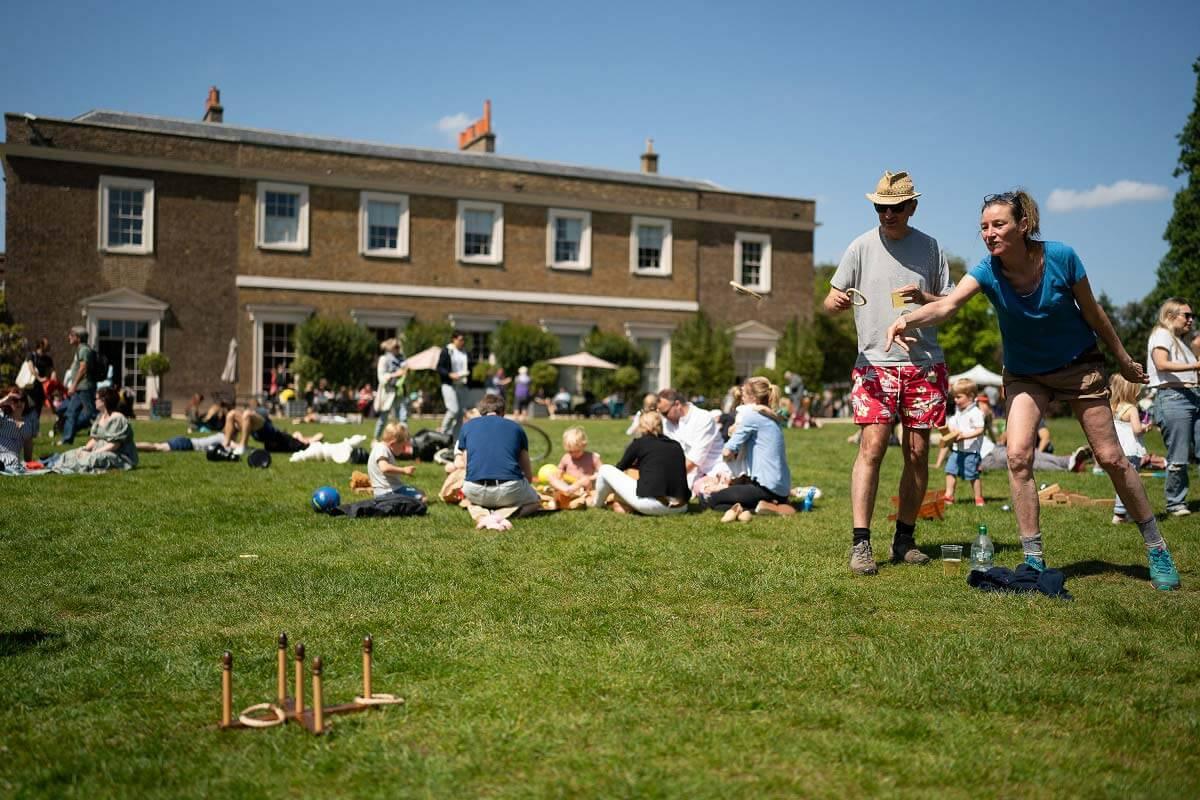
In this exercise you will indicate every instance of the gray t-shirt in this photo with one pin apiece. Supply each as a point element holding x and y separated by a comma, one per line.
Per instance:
<point>875,266</point>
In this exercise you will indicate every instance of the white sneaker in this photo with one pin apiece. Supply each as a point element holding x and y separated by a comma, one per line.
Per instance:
<point>1182,511</point>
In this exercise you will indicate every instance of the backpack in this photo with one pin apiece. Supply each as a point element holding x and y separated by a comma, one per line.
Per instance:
<point>427,442</point>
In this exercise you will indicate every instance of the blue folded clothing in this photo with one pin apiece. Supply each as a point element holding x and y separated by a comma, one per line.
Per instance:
<point>1050,582</point>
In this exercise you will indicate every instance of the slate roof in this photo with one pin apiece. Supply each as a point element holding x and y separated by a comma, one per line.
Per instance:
<point>230,133</point>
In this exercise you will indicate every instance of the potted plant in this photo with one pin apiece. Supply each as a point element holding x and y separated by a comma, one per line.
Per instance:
<point>155,365</point>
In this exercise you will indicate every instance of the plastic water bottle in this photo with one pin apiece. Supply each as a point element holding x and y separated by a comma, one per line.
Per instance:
<point>809,496</point>
<point>982,551</point>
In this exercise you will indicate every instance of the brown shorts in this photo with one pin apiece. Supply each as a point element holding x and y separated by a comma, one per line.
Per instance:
<point>1082,379</point>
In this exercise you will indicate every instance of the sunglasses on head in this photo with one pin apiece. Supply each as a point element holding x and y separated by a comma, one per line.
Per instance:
<point>899,208</point>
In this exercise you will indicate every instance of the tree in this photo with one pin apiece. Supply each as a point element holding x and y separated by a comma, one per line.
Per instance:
<point>620,351</point>
<point>972,335</point>
<point>543,377</point>
<point>798,351</point>
<point>155,365</point>
<point>1179,270</point>
<point>834,334</point>
<point>337,350</point>
<point>702,358</point>
<point>516,345</point>
<point>13,345</point>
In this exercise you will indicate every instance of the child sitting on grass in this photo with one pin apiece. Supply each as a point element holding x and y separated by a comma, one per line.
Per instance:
<point>966,440</point>
<point>575,476</point>
<point>381,463</point>
<point>1123,399</point>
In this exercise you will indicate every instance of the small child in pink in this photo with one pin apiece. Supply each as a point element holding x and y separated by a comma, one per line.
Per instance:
<point>577,470</point>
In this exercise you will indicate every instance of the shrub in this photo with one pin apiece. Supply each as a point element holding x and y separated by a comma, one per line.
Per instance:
<point>337,350</point>
<point>155,365</point>
<point>620,351</point>
<point>544,376</point>
<point>515,345</point>
<point>702,358</point>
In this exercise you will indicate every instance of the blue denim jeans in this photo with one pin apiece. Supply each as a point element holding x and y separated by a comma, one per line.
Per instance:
<point>81,409</point>
<point>1177,412</point>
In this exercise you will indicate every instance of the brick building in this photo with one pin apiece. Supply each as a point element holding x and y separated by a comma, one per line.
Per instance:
<point>177,236</point>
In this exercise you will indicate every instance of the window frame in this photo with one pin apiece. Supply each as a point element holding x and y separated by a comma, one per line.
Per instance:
<point>764,282</point>
<point>496,257</point>
<point>144,185</point>
<point>260,216</point>
<point>364,228</point>
<point>584,262</point>
<point>665,262</point>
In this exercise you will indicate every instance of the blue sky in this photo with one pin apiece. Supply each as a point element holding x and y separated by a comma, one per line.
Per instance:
<point>798,99</point>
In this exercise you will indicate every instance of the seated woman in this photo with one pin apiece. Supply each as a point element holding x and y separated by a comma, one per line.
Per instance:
<point>758,440</point>
<point>661,486</point>
<point>110,445</point>
<point>16,438</point>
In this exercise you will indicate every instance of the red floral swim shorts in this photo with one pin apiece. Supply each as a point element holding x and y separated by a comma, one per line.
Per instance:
<point>915,396</point>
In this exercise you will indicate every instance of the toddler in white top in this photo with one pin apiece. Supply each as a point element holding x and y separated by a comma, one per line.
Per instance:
<point>965,435</point>
<point>381,462</point>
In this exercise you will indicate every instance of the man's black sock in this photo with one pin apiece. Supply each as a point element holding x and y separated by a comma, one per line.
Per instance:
<point>862,535</point>
<point>905,533</point>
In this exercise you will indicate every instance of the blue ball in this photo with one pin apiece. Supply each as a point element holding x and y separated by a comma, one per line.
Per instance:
<point>326,499</point>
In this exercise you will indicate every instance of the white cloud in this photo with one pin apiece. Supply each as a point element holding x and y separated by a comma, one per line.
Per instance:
<point>451,125</point>
<point>1100,196</point>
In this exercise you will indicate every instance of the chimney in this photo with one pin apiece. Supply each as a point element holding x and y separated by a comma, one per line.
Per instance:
<point>650,159</point>
<point>213,110</point>
<point>478,137</point>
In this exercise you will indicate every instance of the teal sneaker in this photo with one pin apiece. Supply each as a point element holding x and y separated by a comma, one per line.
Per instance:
<point>1163,574</point>
<point>1037,563</point>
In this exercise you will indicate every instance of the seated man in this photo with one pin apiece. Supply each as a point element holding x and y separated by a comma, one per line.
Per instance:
<point>257,423</point>
<point>499,474</point>
<point>696,431</point>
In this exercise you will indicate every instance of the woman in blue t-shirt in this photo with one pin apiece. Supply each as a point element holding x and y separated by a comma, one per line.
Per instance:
<point>1049,323</point>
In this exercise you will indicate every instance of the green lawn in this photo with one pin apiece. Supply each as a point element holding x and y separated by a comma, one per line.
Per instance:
<point>582,653</point>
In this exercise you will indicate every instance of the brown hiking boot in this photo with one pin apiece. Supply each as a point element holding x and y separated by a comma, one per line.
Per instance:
<point>862,560</point>
<point>907,553</point>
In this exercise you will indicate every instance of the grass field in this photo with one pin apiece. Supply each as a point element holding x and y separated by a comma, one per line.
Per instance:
<point>582,653</point>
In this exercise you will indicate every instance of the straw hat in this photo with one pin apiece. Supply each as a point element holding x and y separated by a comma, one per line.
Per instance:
<point>893,188</point>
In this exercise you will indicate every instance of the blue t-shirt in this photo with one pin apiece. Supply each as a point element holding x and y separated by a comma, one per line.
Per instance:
<point>492,444</point>
<point>1045,330</point>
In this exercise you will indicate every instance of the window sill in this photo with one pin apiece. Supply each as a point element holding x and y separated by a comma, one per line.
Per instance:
<point>385,255</point>
<point>126,251</point>
<point>569,267</point>
<point>651,273</point>
<point>283,248</point>
<point>479,262</point>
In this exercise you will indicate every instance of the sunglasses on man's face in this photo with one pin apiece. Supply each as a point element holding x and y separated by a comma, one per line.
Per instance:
<point>898,208</point>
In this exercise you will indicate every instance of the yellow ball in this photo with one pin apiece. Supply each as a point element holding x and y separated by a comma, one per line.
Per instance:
<point>546,472</point>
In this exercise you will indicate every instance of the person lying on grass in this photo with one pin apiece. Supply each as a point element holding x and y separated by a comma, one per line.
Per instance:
<point>245,423</point>
<point>385,474</point>
<point>661,485</point>
<point>182,444</point>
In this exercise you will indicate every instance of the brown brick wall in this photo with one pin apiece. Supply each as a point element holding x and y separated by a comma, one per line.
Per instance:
<point>54,261</point>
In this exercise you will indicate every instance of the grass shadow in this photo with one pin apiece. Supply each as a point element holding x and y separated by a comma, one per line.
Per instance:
<point>15,642</point>
<point>1082,569</point>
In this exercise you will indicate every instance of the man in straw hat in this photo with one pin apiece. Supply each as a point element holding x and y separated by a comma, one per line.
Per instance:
<point>891,268</point>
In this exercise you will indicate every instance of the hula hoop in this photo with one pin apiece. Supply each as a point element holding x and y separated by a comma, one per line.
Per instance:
<point>378,700</point>
<point>258,722</point>
<point>852,292</point>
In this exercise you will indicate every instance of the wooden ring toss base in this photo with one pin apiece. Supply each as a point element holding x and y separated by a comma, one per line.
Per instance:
<point>291,709</point>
